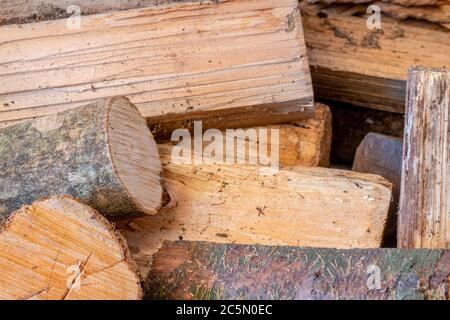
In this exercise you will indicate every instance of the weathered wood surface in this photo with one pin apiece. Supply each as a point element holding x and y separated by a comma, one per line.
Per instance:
<point>424,216</point>
<point>315,207</point>
<point>352,64</point>
<point>60,249</point>
<point>400,2</point>
<point>189,270</point>
<point>175,62</point>
<point>102,153</point>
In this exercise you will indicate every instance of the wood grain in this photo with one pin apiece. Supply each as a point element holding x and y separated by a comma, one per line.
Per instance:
<point>175,62</point>
<point>315,207</point>
<point>60,249</point>
<point>102,153</point>
<point>424,215</point>
<point>352,64</point>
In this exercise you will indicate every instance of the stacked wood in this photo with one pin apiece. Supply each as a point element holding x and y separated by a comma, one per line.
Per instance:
<point>424,216</point>
<point>314,207</point>
<point>102,153</point>
<point>353,64</point>
<point>189,270</point>
<point>60,249</point>
<point>190,60</point>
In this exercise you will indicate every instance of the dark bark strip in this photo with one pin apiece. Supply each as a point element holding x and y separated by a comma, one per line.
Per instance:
<point>200,270</point>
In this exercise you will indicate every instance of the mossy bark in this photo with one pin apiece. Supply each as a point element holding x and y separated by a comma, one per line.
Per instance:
<point>199,270</point>
<point>67,153</point>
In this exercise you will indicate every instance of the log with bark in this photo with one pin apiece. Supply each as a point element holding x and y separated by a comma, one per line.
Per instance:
<point>424,216</point>
<point>60,249</point>
<point>353,64</point>
<point>102,153</point>
<point>190,270</point>
<point>177,62</point>
<point>315,207</point>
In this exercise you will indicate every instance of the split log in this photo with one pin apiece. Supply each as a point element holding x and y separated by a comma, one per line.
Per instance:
<point>306,142</point>
<point>314,207</point>
<point>225,69</point>
<point>352,64</point>
<point>382,155</point>
<point>424,216</point>
<point>102,153</point>
<point>60,249</point>
<point>189,270</point>
<point>300,143</point>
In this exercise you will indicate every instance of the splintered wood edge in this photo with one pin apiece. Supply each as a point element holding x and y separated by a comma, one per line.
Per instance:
<point>92,214</point>
<point>134,155</point>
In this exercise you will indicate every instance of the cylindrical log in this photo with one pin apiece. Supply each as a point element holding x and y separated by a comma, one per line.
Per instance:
<point>424,213</point>
<point>60,249</point>
<point>103,154</point>
<point>201,270</point>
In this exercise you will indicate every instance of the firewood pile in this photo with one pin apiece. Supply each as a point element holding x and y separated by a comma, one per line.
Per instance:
<point>234,149</point>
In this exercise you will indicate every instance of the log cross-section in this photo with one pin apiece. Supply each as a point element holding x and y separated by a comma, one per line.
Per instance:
<point>60,249</point>
<point>103,154</point>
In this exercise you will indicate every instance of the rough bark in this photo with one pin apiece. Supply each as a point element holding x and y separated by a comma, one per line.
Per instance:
<point>315,207</point>
<point>351,63</point>
<point>143,54</point>
<point>424,216</point>
<point>102,154</point>
<point>60,249</point>
<point>189,270</point>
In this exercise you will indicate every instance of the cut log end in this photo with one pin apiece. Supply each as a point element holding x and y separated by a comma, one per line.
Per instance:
<point>58,248</point>
<point>134,155</point>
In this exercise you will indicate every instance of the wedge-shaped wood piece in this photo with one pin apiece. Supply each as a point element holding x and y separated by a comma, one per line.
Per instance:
<point>424,216</point>
<point>175,62</point>
<point>103,154</point>
<point>200,270</point>
<point>382,155</point>
<point>353,64</point>
<point>315,207</point>
<point>60,249</point>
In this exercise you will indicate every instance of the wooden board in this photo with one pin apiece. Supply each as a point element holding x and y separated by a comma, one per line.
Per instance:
<point>190,270</point>
<point>350,63</point>
<point>424,214</point>
<point>175,62</point>
<point>60,249</point>
<point>315,207</point>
